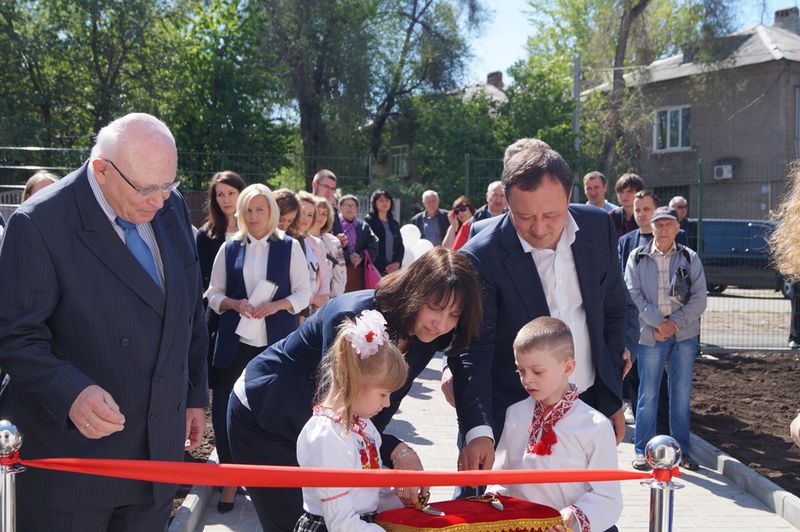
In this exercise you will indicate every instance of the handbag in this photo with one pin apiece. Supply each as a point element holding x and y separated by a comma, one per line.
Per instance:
<point>371,274</point>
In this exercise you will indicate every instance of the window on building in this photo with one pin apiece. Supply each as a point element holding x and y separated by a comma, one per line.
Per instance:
<point>672,129</point>
<point>399,156</point>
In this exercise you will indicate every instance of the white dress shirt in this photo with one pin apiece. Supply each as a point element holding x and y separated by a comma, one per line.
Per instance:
<point>563,293</point>
<point>559,279</point>
<point>145,230</point>
<point>254,269</point>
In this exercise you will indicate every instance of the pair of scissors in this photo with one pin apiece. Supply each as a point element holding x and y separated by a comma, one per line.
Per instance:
<point>427,508</point>
<point>490,499</point>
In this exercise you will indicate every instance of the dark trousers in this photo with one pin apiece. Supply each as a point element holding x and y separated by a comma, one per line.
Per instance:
<point>278,509</point>
<point>630,387</point>
<point>794,323</point>
<point>225,379</point>
<point>144,517</point>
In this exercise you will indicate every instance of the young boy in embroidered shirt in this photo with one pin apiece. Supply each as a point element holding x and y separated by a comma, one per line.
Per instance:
<point>554,429</point>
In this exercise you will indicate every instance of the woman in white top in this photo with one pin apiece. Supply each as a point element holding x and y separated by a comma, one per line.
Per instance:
<point>260,275</point>
<point>319,273</point>
<point>333,248</point>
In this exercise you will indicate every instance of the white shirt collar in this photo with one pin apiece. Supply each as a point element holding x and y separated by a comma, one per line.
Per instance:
<point>98,194</point>
<point>566,239</point>
<point>260,242</point>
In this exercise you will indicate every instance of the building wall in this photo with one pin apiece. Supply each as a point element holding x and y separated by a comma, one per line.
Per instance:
<point>744,117</point>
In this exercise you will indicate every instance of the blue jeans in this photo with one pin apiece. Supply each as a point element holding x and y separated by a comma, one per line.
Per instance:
<point>680,357</point>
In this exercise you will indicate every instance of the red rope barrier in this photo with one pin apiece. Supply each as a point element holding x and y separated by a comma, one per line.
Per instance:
<point>283,476</point>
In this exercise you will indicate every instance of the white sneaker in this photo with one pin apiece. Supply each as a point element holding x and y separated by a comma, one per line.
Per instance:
<point>629,419</point>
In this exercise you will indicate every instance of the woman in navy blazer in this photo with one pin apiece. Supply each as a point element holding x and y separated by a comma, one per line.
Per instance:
<point>256,253</point>
<point>433,305</point>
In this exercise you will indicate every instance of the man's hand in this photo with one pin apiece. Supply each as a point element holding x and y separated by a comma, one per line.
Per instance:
<point>355,259</point>
<point>618,422</point>
<point>667,328</point>
<point>477,454</point>
<point>626,359</point>
<point>447,387</point>
<point>392,267</point>
<point>95,414</point>
<point>342,239</point>
<point>195,427</point>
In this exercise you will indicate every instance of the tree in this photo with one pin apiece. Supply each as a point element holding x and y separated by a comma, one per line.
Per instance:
<point>346,63</point>
<point>222,96</point>
<point>446,127</point>
<point>614,38</point>
<point>423,48</point>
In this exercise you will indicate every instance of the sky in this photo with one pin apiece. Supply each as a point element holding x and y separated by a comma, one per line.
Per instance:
<point>505,34</point>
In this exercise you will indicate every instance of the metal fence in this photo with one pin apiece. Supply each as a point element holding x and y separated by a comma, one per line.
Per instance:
<point>747,307</point>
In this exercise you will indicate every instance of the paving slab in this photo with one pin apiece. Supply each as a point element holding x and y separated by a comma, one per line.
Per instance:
<point>709,501</point>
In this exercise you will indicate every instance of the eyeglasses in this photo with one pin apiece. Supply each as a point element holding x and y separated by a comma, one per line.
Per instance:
<point>149,190</point>
<point>325,186</point>
<point>461,208</point>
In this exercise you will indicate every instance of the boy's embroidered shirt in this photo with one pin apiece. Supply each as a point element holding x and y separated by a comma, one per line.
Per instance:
<point>542,438</point>
<point>584,439</point>
<point>326,442</point>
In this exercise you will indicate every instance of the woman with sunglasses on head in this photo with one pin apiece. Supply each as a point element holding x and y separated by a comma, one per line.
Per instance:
<point>432,305</point>
<point>459,227</point>
<point>390,242</point>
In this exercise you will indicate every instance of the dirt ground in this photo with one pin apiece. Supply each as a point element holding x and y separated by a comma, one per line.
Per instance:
<point>743,403</point>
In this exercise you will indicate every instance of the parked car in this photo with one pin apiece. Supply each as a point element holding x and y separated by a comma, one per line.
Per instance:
<point>736,253</point>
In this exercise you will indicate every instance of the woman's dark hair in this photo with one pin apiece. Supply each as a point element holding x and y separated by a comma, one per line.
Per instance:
<point>439,277</point>
<point>378,194</point>
<point>463,201</point>
<point>216,222</point>
<point>287,200</point>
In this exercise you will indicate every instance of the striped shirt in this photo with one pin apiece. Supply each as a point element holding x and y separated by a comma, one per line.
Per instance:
<point>662,262</point>
<point>145,230</point>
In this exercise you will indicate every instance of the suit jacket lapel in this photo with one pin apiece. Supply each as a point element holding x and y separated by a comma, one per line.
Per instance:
<point>103,241</point>
<point>522,271</point>
<point>165,229</point>
<point>585,266</point>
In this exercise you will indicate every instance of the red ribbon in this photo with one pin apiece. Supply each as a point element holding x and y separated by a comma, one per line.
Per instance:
<point>284,476</point>
<point>10,459</point>
<point>665,475</point>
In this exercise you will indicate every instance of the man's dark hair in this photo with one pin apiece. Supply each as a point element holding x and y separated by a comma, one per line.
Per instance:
<point>629,180</point>
<point>595,175</point>
<point>526,168</point>
<point>648,194</point>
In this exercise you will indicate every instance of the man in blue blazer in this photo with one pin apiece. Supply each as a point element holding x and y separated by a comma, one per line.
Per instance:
<point>544,257</point>
<point>102,331</point>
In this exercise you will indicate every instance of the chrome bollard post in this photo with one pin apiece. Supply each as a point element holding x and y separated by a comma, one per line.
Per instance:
<point>663,454</point>
<point>10,442</point>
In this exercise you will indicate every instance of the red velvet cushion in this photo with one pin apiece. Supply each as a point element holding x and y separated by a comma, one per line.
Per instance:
<point>467,515</point>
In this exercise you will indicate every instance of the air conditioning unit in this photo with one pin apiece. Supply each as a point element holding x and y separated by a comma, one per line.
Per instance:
<point>723,171</point>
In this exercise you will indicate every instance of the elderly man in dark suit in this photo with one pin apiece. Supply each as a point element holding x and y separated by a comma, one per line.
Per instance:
<point>102,331</point>
<point>544,257</point>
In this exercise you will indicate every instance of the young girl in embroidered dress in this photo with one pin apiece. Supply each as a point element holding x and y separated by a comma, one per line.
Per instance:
<point>359,372</point>
<point>554,429</point>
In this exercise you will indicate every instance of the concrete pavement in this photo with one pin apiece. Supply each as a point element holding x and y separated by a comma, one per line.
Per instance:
<point>709,501</point>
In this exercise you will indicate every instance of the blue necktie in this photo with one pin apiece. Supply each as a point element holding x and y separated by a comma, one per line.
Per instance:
<point>139,249</point>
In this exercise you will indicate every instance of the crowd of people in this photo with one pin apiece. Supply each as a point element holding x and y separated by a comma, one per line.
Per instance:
<point>117,318</point>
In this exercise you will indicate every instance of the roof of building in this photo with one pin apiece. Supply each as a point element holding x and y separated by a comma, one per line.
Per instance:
<point>759,44</point>
<point>488,90</point>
